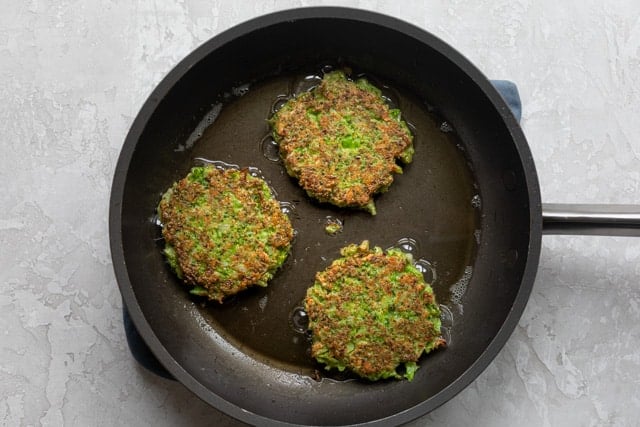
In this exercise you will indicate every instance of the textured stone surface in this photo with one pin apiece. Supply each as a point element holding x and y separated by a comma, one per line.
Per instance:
<point>74,74</point>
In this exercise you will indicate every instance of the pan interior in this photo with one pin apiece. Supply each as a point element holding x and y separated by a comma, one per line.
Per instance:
<point>464,201</point>
<point>431,210</point>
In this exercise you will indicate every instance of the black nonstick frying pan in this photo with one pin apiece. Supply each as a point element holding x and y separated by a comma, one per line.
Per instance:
<point>468,206</point>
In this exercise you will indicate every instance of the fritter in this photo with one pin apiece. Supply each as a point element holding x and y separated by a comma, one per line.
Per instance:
<point>372,313</point>
<point>223,231</point>
<point>342,141</point>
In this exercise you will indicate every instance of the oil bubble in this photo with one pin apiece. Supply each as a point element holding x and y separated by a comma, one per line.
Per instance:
<point>476,202</point>
<point>299,320</point>
<point>240,90</point>
<point>407,245</point>
<point>389,95</point>
<point>256,173</point>
<point>279,103</point>
<point>306,84</point>
<point>155,220</point>
<point>218,164</point>
<point>446,127</point>
<point>269,149</point>
<point>326,69</point>
<point>446,316</point>
<point>288,208</point>
<point>391,103</point>
<point>458,289</point>
<point>427,269</point>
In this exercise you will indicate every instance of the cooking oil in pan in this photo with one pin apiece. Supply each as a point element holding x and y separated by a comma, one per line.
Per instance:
<point>299,320</point>
<point>269,148</point>
<point>429,211</point>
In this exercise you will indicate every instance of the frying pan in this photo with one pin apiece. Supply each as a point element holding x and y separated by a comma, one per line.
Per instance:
<point>469,206</point>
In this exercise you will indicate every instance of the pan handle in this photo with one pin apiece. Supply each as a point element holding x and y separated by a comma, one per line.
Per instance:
<point>594,220</point>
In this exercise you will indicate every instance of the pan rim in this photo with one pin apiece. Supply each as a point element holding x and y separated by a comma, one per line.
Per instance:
<point>338,13</point>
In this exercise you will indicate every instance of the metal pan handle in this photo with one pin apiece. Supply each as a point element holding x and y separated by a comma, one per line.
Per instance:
<point>594,220</point>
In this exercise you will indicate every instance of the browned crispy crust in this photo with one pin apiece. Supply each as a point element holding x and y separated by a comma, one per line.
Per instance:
<point>341,141</point>
<point>224,231</point>
<point>370,312</point>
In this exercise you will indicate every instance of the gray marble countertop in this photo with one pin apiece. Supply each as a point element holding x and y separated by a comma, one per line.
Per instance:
<point>72,78</point>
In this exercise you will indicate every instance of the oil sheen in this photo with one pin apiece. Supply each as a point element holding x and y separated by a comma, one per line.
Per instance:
<point>431,210</point>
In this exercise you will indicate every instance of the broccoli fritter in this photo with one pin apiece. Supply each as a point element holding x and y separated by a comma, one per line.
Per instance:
<point>371,312</point>
<point>341,141</point>
<point>223,231</point>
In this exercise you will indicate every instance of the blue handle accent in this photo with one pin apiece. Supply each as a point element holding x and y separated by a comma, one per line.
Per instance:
<point>510,94</point>
<point>139,348</point>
